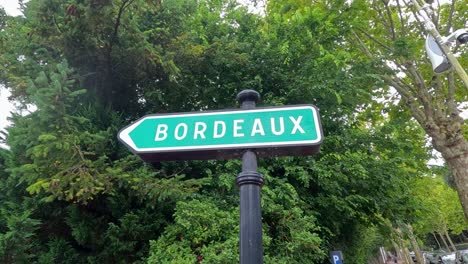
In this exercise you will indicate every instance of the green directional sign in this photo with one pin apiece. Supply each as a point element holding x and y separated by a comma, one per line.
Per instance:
<point>224,134</point>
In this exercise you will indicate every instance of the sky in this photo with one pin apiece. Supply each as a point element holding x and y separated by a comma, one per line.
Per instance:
<point>12,8</point>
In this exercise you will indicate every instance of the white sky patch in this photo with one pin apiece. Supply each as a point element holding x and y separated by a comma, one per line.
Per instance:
<point>6,107</point>
<point>257,7</point>
<point>436,159</point>
<point>12,7</point>
<point>464,110</point>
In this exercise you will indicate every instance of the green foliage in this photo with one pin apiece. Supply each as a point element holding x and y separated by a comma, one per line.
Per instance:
<point>201,230</point>
<point>59,251</point>
<point>17,236</point>
<point>439,208</point>
<point>62,153</point>
<point>362,243</point>
<point>91,67</point>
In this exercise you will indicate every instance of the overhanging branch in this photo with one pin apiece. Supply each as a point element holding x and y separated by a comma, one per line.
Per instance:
<point>374,39</point>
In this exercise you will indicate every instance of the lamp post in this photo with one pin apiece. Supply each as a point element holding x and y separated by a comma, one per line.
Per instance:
<point>431,28</point>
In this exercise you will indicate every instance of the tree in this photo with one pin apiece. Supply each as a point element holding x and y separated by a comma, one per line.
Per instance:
<point>91,67</point>
<point>439,209</point>
<point>391,34</point>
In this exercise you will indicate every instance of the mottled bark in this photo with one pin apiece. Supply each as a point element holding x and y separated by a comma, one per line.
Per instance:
<point>459,168</point>
<point>455,153</point>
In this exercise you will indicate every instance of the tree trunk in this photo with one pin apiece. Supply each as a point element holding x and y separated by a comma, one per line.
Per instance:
<point>464,236</point>
<point>445,242</point>
<point>450,241</point>
<point>401,244</point>
<point>408,258</point>
<point>455,153</point>
<point>459,167</point>
<point>383,255</point>
<point>435,237</point>
<point>397,250</point>
<point>414,244</point>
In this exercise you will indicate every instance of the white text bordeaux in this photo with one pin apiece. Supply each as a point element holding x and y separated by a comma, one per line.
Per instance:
<point>275,127</point>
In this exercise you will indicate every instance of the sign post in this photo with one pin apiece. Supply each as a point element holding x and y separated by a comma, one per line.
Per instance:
<point>242,133</point>
<point>250,182</point>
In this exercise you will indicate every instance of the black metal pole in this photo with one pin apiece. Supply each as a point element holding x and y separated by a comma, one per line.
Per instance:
<point>250,183</point>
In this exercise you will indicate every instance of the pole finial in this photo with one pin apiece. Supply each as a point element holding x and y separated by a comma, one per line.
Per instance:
<point>248,95</point>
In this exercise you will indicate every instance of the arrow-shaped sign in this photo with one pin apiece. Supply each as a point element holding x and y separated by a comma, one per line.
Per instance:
<point>275,131</point>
